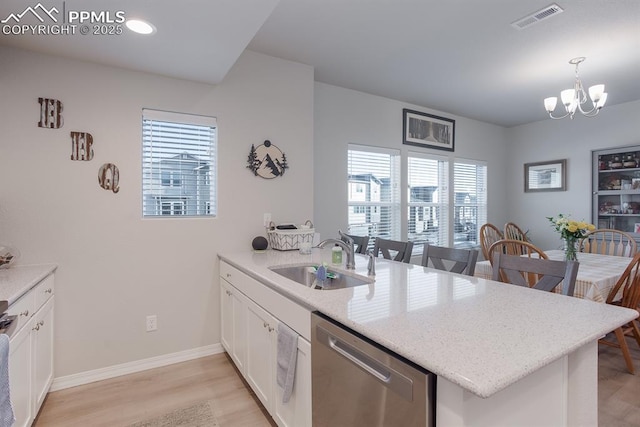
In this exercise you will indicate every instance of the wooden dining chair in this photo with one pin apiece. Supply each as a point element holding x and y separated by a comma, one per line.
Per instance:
<point>454,260</point>
<point>388,248</point>
<point>537,273</point>
<point>360,242</point>
<point>626,293</point>
<point>513,232</point>
<point>489,234</point>
<point>606,241</point>
<point>516,247</point>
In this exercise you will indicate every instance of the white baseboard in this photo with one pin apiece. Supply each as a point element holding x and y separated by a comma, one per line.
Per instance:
<point>81,378</point>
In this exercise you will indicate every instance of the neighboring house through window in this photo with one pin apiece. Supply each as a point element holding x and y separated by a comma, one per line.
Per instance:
<point>178,164</point>
<point>373,192</point>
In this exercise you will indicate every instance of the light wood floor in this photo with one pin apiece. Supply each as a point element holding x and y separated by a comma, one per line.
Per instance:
<point>136,397</point>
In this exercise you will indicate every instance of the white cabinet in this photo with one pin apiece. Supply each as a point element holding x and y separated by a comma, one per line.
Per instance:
<point>42,333</point>
<point>31,351</point>
<point>261,360</point>
<point>232,322</point>
<point>20,376</point>
<point>297,411</point>
<point>250,313</point>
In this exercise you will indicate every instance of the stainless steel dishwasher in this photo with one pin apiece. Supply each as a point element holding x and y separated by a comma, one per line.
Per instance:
<point>356,382</point>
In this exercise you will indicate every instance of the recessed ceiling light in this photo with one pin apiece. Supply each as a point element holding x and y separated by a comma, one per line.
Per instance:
<point>140,27</point>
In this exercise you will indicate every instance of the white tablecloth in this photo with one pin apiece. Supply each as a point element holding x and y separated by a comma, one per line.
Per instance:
<point>597,274</point>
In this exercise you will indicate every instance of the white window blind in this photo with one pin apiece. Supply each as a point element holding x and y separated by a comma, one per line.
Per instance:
<point>470,207</point>
<point>178,164</point>
<point>428,200</point>
<point>373,192</point>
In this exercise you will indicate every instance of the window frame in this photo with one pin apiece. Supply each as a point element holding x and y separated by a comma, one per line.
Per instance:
<point>448,207</point>
<point>391,228</point>
<point>179,164</point>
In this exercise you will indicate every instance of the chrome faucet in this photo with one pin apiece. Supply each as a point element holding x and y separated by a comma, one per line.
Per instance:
<point>347,246</point>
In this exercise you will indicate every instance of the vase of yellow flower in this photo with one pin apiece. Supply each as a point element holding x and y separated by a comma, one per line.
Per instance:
<point>570,231</point>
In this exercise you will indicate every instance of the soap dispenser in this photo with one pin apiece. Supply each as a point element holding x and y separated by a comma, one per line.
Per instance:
<point>336,255</point>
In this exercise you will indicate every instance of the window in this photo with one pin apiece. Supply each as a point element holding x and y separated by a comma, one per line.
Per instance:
<point>428,213</point>
<point>470,206</point>
<point>171,207</point>
<point>437,212</point>
<point>178,164</point>
<point>373,192</point>
<point>170,179</point>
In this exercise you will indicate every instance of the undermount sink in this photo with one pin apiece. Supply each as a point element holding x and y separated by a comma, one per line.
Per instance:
<point>306,275</point>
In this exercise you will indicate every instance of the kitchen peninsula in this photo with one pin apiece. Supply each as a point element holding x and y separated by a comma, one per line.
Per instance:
<point>503,355</point>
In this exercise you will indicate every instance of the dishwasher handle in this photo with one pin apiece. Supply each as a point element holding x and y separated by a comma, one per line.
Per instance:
<point>344,349</point>
<point>383,373</point>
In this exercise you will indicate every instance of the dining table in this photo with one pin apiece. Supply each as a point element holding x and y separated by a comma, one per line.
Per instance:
<point>597,274</point>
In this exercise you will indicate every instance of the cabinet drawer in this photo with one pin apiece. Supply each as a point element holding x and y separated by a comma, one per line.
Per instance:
<point>24,309</point>
<point>44,290</point>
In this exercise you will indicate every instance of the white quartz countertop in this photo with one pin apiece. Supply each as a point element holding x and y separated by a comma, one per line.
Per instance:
<point>18,280</point>
<point>479,334</point>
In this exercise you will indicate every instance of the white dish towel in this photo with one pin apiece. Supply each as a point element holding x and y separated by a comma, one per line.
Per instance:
<point>286,359</point>
<point>6,410</point>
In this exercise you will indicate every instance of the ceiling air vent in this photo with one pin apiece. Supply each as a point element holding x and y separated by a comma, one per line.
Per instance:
<point>538,16</point>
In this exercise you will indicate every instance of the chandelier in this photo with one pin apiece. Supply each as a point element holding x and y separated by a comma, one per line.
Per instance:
<point>573,99</point>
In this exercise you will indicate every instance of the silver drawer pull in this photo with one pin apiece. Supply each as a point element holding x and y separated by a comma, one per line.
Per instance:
<point>48,291</point>
<point>25,313</point>
<point>228,275</point>
<point>36,328</point>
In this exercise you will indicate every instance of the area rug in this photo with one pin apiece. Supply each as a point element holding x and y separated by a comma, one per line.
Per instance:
<point>199,415</point>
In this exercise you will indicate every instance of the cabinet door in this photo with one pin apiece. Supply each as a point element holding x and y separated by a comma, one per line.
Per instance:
<point>20,379</point>
<point>226,317</point>
<point>261,362</point>
<point>233,323</point>
<point>297,411</point>
<point>42,336</point>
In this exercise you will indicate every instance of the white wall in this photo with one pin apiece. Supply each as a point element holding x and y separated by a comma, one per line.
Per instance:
<point>344,116</point>
<point>114,267</point>
<point>615,126</point>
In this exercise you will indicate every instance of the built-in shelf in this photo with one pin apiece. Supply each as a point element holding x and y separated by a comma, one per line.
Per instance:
<point>616,189</point>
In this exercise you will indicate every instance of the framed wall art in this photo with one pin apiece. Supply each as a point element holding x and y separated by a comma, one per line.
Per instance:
<point>428,131</point>
<point>545,176</point>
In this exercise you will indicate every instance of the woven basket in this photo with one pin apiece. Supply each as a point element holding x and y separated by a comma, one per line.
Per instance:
<point>289,240</point>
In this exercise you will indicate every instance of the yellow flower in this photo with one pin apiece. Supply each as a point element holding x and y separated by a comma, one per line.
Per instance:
<point>582,225</point>
<point>591,227</point>
<point>572,227</point>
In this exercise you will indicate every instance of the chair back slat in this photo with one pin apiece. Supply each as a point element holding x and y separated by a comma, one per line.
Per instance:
<point>606,241</point>
<point>361,243</point>
<point>513,232</point>
<point>537,273</point>
<point>461,261</point>
<point>388,247</point>
<point>489,234</point>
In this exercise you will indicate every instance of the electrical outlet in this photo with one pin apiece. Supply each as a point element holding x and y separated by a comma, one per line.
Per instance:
<point>266,219</point>
<point>152,323</point>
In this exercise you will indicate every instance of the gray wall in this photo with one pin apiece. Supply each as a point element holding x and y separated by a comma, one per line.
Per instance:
<point>115,268</point>
<point>344,116</point>
<point>615,126</point>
